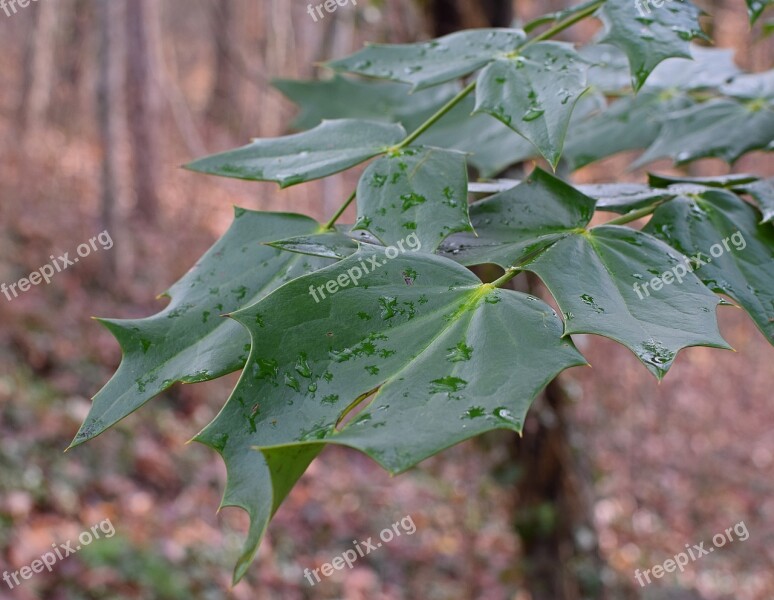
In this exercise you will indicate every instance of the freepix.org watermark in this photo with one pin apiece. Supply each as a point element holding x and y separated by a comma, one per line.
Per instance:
<point>680,270</point>
<point>57,265</point>
<point>47,560</point>
<point>356,273</point>
<point>694,553</point>
<point>349,557</point>
<point>330,7</point>
<point>10,5</point>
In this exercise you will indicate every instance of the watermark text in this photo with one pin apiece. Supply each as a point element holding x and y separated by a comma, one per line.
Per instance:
<point>349,557</point>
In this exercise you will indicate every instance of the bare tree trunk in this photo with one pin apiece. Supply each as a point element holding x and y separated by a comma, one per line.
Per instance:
<point>222,106</point>
<point>142,109</point>
<point>78,22</point>
<point>38,69</point>
<point>555,502</point>
<point>108,99</point>
<point>448,16</point>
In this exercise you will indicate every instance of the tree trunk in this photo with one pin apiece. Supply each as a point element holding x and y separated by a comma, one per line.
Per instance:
<point>555,502</point>
<point>38,69</point>
<point>108,98</point>
<point>448,16</point>
<point>142,109</point>
<point>222,105</point>
<point>78,23</point>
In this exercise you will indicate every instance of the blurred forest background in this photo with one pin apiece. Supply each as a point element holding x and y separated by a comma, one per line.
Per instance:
<point>101,101</point>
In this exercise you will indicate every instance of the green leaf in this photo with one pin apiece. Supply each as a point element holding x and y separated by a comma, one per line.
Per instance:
<point>342,98</point>
<point>763,193</point>
<point>329,148</point>
<point>189,341</point>
<point>592,276</point>
<point>496,146</point>
<point>608,67</point>
<point>491,146</point>
<point>706,68</point>
<point>429,63</point>
<point>634,122</point>
<point>547,217</point>
<point>421,191</point>
<point>752,86</point>
<point>437,344</point>
<point>514,224</point>
<point>651,36</point>
<point>534,93</point>
<point>333,244</point>
<point>622,198</point>
<point>755,8</point>
<point>722,231</point>
<point>631,123</point>
<point>724,129</point>
<point>722,181</point>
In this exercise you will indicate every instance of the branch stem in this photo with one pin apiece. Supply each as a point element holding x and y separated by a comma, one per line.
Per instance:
<point>562,25</point>
<point>437,116</point>
<point>332,221</point>
<point>510,273</point>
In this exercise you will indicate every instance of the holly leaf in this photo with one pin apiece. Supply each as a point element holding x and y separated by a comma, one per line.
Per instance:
<point>188,341</point>
<point>429,63</point>
<point>534,93</point>
<point>622,198</point>
<point>342,98</point>
<point>763,193</point>
<point>608,67</point>
<point>652,36</point>
<point>599,278</point>
<point>329,148</point>
<point>731,180</point>
<point>415,191</point>
<point>634,122</point>
<point>631,123</point>
<point>333,244</point>
<point>419,335</point>
<point>516,223</point>
<point>706,68</point>
<point>491,146</point>
<point>751,86</point>
<point>722,128</point>
<point>722,231</point>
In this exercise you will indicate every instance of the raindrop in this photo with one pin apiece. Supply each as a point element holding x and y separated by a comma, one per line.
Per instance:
<point>474,412</point>
<point>459,353</point>
<point>592,303</point>
<point>388,306</point>
<point>302,366</point>
<point>534,112</point>
<point>447,384</point>
<point>410,200</point>
<point>292,382</point>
